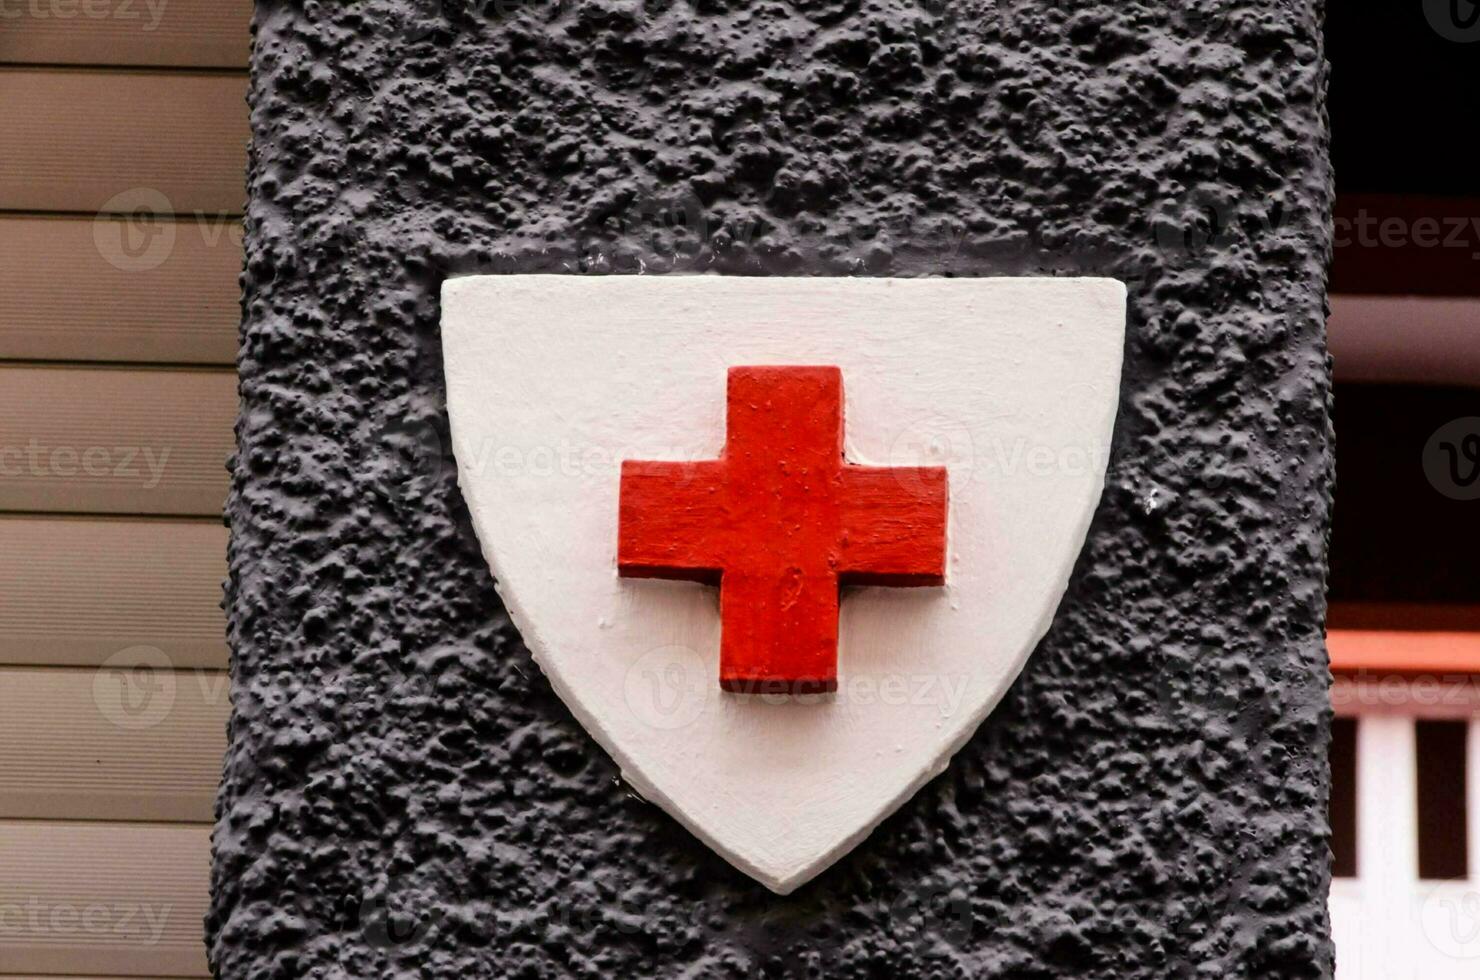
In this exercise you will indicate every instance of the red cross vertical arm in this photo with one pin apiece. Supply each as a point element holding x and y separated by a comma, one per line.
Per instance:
<point>779,522</point>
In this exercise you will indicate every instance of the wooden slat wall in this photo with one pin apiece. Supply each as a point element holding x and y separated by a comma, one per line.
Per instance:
<point>111,441</point>
<point>77,591</point>
<point>89,141</point>
<point>119,258</point>
<point>120,289</point>
<point>174,33</point>
<point>118,899</point>
<point>128,743</point>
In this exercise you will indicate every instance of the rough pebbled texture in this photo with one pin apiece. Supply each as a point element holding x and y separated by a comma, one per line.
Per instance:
<point>405,797</point>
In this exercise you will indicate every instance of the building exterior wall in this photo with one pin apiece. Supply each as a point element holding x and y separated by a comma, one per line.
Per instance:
<point>405,796</point>
<point>123,132</point>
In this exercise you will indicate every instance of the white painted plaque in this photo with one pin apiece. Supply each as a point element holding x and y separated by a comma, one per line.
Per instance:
<point>1011,385</point>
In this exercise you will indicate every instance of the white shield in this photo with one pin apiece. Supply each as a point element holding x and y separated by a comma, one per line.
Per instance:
<point>552,381</point>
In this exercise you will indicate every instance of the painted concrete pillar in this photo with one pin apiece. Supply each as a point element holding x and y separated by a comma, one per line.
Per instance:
<point>404,795</point>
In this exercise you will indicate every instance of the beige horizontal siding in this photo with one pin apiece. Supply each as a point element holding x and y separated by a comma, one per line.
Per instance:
<point>115,899</point>
<point>174,33</point>
<point>118,247</point>
<point>79,590</point>
<point>122,141</point>
<point>105,440</point>
<point>116,289</point>
<point>128,741</point>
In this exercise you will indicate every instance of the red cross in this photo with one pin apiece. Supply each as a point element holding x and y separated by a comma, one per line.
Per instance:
<point>779,522</point>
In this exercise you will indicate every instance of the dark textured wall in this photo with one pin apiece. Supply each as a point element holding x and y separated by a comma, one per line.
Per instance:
<point>405,797</point>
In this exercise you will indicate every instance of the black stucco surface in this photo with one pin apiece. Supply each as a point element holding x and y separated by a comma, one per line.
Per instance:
<point>403,794</point>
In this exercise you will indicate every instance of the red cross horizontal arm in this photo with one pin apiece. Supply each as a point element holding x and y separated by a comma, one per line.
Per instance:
<point>779,522</point>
